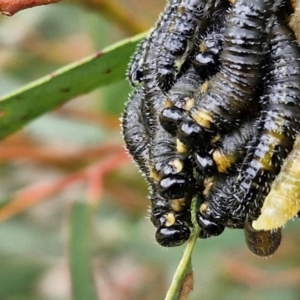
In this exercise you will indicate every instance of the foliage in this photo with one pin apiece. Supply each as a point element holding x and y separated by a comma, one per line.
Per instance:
<point>73,205</point>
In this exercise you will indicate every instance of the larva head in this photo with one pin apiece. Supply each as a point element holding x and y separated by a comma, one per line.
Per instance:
<point>177,186</point>
<point>206,64</point>
<point>170,118</point>
<point>172,221</point>
<point>204,162</point>
<point>172,236</point>
<point>192,134</point>
<point>223,204</point>
<point>172,229</point>
<point>209,228</point>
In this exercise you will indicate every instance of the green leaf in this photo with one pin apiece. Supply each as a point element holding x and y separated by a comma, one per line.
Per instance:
<point>79,253</point>
<point>182,282</point>
<point>46,94</point>
<point>18,275</point>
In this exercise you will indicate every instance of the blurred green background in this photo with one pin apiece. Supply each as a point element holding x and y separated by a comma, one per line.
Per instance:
<point>112,237</point>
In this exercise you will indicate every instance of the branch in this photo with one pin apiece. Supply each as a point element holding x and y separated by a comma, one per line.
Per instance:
<point>182,283</point>
<point>10,7</point>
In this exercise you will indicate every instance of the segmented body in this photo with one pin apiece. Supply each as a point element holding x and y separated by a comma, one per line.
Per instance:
<point>206,61</point>
<point>172,221</point>
<point>171,169</point>
<point>232,91</point>
<point>227,151</point>
<point>140,120</point>
<point>179,100</point>
<point>190,17</point>
<point>244,191</point>
<point>172,218</point>
<point>135,67</point>
<point>226,146</point>
<point>136,131</point>
<point>261,242</point>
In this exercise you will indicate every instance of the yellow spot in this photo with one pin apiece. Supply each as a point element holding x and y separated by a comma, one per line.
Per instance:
<point>208,183</point>
<point>168,103</point>
<point>181,9</point>
<point>216,138</point>
<point>202,47</point>
<point>154,174</point>
<point>189,103</point>
<point>203,207</point>
<point>204,87</point>
<point>222,161</point>
<point>171,28</point>
<point>203,118</point>
<point>178,204</point>
<point>170,219</point>
<point>266,160</point>
<point>177,164</point>
<point>180,147</point>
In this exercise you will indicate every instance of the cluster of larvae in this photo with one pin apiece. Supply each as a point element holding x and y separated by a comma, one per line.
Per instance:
<point>214,113</point>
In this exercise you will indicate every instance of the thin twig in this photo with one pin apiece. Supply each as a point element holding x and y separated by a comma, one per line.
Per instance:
<point>10,7</point>
<point>183,274</point>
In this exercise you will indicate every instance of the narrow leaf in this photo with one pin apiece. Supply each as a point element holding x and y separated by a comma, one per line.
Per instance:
<point>79,255</point>
<point>43,95</point>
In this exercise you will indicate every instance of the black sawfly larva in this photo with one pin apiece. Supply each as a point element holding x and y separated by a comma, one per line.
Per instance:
<point>172,224</point>
<point>206,62</point>
<point>227,151</point>
<point>179,99</point>
<point>135,67</point>
<point>231,92</point>
<point>135,130</point>
<point>190,17</point>
<point>244,191</point>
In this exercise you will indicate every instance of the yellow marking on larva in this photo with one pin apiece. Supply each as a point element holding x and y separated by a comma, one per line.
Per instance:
<point>215,139</point>
<point>202,47</point>
<point>203,208</point>
<point>170,219</point>
<point>208,183</point>
<point>177,164</point>
<point>171,27</point>
<point>154,174</point>
<point>283,201</point>
<point>168,103</point>
<point>222,161</point>
<point>178,204</point>
<point>189,103</point>
<point>203,118</point>
<point>181,9</point>
<point>180,147</point>
<point>266,160</point>
<point>204,87</point>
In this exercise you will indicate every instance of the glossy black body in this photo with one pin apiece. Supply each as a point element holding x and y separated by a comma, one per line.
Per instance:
<point>260,242</point>
<point>190,17</point>
<point>243,191</point>
<point>231,92</point>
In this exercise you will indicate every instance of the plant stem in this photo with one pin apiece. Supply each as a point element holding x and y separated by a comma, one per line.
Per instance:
<point>183,272</point>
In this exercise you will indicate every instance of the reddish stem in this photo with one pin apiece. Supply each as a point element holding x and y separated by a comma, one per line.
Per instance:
<point>10,7</point>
